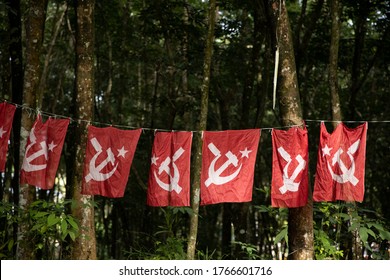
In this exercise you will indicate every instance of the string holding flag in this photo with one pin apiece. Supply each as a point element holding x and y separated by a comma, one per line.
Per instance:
<point>226,163</point>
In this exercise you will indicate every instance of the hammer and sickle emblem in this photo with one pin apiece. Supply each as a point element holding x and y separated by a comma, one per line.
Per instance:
<point>95,171</point>
<point>27,165</point>
<point>348,175</point>
<point>288,182</point>
<point>215,175</point>
<point>174,180</point>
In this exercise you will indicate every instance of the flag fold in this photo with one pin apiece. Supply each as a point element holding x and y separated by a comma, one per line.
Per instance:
<point>43,152</point>
<point>289,186</point>
<point>7,112</point>
<point>340,164</point>
<point>169,175</point>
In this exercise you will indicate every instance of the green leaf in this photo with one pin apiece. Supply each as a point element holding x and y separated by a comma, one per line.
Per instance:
<point>72,223</point>
<point>40,214</point>
<point>281,235</point>
<point>377,226</point>
<point>363,234</point>
<point>346,217</point>
<point>384,234</point>
<point>64,226</point>
<point>52,220</point>
<point>72,235</point>
<point>10,244</point>
<point>370,232</point>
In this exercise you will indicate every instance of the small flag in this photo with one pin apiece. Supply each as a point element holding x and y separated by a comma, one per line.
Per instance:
<point>228,162</point>
<point>341,164</point>
<point>109,155</point>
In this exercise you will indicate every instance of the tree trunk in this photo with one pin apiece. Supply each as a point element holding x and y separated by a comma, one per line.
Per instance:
<point>35,25</point>
<point>300,220</point>
<point>84,247</point>
<point>195,197</point>
<point>333,63</point>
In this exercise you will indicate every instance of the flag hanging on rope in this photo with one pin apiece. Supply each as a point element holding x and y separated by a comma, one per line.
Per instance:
<point>43,152</point>
<point>7,112</point>
<point>109,155</point>
<point>340,164</point>
<point>228,162</point>
<point>289,186</point>
<point>169,175</point>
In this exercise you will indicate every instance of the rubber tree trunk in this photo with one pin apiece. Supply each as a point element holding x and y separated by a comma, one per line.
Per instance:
<point>35,25</point>
<point>84,247</point>
<point>197,166</point>
<point>300,220</point>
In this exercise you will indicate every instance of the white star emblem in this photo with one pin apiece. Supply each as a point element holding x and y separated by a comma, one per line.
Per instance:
<point>2,132</point>
<point>52,146</point>
<point>122,152</point>
<point>154,159</point>
<point>245,153</point>
<point>326,150</point>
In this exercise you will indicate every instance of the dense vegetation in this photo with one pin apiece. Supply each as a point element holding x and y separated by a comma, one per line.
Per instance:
<point>148,65</point>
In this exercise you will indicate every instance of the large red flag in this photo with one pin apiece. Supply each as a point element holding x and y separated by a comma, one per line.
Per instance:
<point>228,162</point>
<point>169,176</point>
<point>43,152</point>
<point>7,112</point>
<point>109,154</point>
<point>289,168</point>
<point>340,164</point>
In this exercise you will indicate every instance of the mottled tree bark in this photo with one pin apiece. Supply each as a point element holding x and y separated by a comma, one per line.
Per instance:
<point>300,220</point>
<point>84,247</point>
<point>35,25</point>
<point>195,197</point>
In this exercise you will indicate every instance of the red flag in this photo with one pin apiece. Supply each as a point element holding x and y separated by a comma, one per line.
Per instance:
<point>7,112</point>
<point>109,154</point>
<point>169,176</point>
<point>228,162</point>
<point>43,152</point>
<point>340,164</point>
<point>289,168</point>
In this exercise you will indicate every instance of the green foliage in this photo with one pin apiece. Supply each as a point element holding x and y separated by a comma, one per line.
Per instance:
<point>366,225</point>
<point>49,227</point>
<point>250,250</point>
<point>8,219</point>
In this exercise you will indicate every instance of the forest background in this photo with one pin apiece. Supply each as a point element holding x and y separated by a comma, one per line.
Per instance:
<point>193,65</point>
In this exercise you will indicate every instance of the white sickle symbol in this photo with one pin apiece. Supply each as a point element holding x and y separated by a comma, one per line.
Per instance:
<point>214,175</point>
<point>348,174</point>
<point>164,166</point>
<point>94,171</point>
<point>288,182</point>
<point>27,166</point>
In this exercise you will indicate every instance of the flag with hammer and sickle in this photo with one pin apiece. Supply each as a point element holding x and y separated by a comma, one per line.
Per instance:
<point>7,112</point>
<point>228,162</point>
<point>109,155</point>
<point>290,157</point>
<point>43,152</point>
<point>340,164</point>
<point>169,175</point>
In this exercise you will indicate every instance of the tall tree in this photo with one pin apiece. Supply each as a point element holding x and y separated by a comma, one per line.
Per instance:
<point>84,247</point>
<point>300,220</point>
<point>193,231</point>
<point>35,24</point>
<point>333,62</point>
<point>16,75</point>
